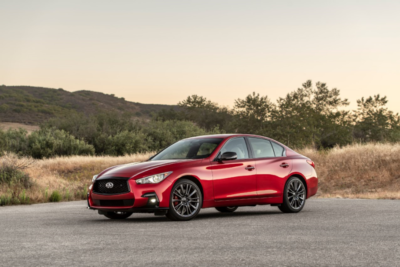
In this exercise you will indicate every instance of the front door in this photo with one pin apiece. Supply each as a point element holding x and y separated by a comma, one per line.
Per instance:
<point>234,179</point>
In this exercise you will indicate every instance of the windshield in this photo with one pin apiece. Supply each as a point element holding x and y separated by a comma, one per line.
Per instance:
<point>189,149</point>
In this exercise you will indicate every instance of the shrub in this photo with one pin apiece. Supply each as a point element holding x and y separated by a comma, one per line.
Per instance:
<point>49,143</point>
<point>43,144</point>
<point>119,134</point>
<point>11,176</point>
<point>4,107</point>
<point>11,172</point>
<point>14,141</point>
<point>23,198</point>
<point>55,196</point>
<point>5,200</point>
<point>97,130</point>
<point>9,200</point>
<point>126,143</point>
<point>101,134</point>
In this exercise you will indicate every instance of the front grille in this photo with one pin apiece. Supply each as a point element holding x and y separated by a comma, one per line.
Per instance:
<point>114,203</point>
<point>119,186</point>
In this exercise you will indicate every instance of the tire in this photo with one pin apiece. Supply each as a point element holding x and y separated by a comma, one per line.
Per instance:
<point>185,201</point>
<point>117,215</point>
<point>226,209</point>
<point>294,196</point>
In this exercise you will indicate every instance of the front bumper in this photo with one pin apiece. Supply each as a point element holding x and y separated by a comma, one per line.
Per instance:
<point>151,198</point>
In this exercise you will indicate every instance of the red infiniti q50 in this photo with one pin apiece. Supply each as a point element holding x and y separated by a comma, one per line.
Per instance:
<point>221,171</point>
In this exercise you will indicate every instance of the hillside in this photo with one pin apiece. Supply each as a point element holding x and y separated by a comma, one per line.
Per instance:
<point>33,105</point>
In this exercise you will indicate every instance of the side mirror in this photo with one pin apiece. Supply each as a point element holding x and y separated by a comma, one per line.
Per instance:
<point>228,156</point>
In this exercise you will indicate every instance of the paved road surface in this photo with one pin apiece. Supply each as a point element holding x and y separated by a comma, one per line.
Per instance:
<point>328,232</point>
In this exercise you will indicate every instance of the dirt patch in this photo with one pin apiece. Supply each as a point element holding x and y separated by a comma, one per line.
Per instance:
<point>13,125</point>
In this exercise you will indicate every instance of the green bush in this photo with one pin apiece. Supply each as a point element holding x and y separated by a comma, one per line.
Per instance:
<point>5,200</point>
<point>4,107</point>
<point>97,130</point>
<point>49,143</point>
<point>55,196</point>
<point>119,134</point>
<point>105,133</point>
<point>43,144</point>
<point>126,143</point>
<point>14,141</point>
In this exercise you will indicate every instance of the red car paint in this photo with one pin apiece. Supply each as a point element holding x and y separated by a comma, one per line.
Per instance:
<point>241,182</point>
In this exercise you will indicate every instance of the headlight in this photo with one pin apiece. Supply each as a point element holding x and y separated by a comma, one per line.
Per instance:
<point>94,178</point>
<point>153,179</point>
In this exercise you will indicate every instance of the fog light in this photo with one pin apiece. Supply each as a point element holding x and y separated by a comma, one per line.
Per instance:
<point>152,199</point>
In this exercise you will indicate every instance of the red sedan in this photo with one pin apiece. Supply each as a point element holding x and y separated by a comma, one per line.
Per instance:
<point>221,171</point>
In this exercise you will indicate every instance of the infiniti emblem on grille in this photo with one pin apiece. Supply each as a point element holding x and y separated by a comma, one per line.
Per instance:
<point>109,185</point>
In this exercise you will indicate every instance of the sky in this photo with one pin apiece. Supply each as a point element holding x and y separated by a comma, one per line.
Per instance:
<point>162,51</point>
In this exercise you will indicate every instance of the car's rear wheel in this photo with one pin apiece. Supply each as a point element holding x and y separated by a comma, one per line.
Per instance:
<point>226,209</point>
<point>294,196</point>
<point>117,215</point>
<point>185,201</point>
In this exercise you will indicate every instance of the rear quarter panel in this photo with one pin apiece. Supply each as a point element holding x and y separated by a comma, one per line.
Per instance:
<point>305,170</point>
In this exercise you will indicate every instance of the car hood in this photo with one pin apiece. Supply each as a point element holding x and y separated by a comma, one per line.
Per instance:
<point>134,169</point>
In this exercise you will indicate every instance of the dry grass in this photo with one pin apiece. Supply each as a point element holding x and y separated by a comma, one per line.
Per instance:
<point>356,171</point>
<point>70,176</point>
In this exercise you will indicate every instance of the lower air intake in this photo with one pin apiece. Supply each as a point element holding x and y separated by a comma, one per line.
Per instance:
<point>114,203</point>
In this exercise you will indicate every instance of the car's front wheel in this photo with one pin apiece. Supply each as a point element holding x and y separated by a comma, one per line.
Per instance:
<point>226,209</point>
<point>185,201</point>
<point>117,215</point>
<point>294,196</point>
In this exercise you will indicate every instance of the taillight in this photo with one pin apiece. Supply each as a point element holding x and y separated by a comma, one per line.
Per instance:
<point>311,163</point>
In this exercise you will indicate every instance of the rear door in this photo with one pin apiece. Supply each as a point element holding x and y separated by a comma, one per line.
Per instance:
<point>234,179</point>
<point>272,166</point>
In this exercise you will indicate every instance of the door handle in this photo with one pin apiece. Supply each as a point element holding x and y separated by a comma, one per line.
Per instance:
<point>249,168</point>
<point>284,165</point>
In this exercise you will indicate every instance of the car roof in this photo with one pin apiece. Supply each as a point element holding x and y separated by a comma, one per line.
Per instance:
<point>226,136</point>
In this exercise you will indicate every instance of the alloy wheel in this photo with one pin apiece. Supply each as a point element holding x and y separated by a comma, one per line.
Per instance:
<point>296,194</point>
<point>186,200</point>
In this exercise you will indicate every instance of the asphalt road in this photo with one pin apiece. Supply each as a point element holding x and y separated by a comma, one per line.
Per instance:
<point>328,232</point>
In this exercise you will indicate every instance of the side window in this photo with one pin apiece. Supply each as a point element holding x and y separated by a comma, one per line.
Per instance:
<point>237,145</point>
<point>261,148</point>
<point>279,150</point>
<point>206,149</point>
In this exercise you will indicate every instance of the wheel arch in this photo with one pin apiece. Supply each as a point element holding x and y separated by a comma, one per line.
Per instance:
<point>194,180</point>
<point>301,177</point>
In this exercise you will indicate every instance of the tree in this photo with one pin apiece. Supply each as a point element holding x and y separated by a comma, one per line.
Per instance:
<point>252,113</point>
<point>374,122</point>
<point>194,102</point>
<point>204,113</point>
<point>311,116</point>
